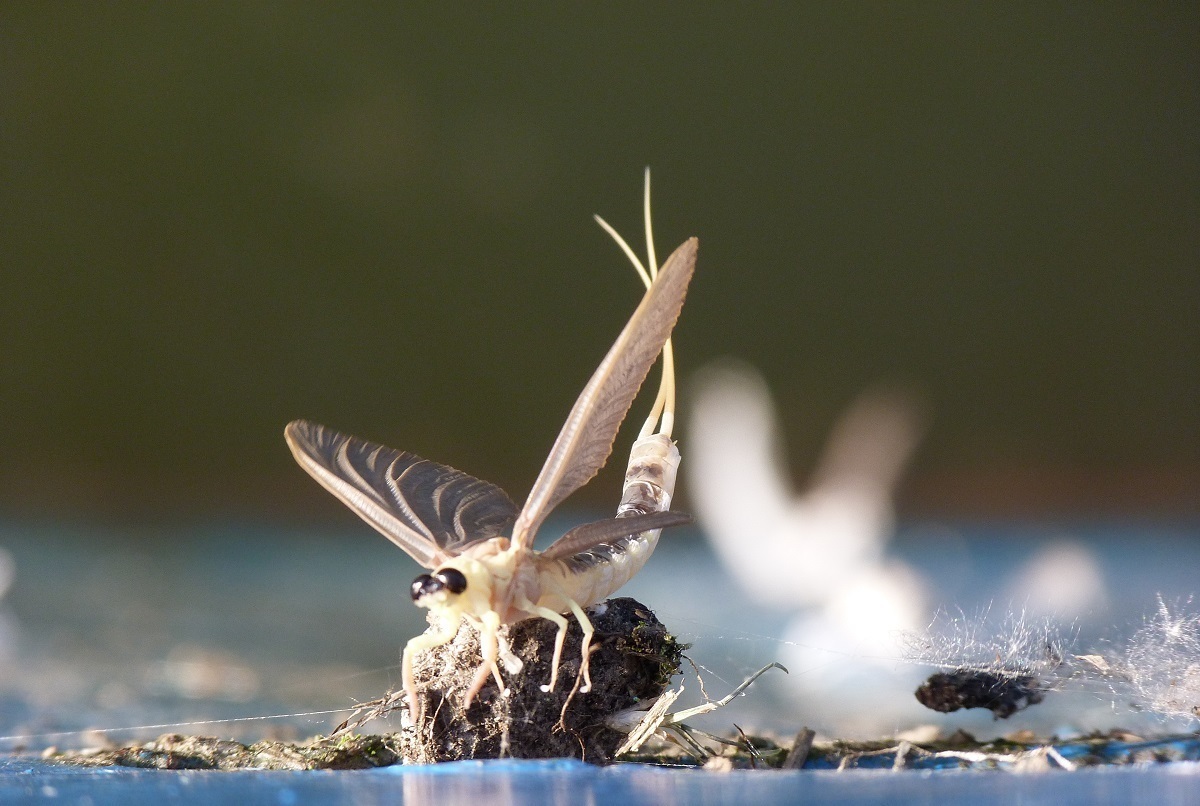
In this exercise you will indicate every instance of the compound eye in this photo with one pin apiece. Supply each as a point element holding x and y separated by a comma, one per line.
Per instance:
<point>453,579</point>
<point>423,586</point>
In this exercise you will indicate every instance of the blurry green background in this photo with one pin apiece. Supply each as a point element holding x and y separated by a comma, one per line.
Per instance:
<point>215,218</point>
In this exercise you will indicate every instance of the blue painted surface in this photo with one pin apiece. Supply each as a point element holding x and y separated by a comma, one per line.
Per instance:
<point>571,782</point>
<point>93,618</point>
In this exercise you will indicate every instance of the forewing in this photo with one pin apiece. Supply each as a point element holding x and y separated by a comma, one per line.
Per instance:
<point>430,510</point>
<point>590,535</point>
<point>586,439</point>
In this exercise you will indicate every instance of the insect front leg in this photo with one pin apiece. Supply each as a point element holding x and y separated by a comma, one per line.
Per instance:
<point>512,664</point>
<point>489,648</point>
<point>417,644</point>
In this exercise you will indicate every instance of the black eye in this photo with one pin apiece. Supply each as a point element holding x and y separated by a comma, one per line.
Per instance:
<point>423,586</point>
<point>453,579</point>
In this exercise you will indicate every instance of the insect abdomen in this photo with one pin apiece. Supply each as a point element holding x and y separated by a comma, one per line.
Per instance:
<point>592,576</point>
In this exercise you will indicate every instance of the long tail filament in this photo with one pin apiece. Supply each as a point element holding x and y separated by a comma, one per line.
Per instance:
<point>664,402</point>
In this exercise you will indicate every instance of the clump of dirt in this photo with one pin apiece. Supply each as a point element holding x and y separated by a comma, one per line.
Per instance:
<point>1002,694</point>
<point>633,659</point>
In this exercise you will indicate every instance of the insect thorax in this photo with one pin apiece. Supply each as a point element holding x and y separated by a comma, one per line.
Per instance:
<point>496,572</point>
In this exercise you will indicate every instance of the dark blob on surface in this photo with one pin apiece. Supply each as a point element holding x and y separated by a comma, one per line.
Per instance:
<point>1002,694</point>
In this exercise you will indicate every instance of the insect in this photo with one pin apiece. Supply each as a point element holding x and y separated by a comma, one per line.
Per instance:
<point>478,546</point>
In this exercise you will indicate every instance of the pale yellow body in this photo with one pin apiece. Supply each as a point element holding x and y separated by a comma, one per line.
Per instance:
<point>560,585</point>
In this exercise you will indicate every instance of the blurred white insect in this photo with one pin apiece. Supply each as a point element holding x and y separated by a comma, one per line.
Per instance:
<point>478,545</point>
<point>818,540</point>
<point>827,545</point>
<point>855,611</point>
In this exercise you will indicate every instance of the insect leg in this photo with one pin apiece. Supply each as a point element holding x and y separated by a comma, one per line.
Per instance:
<point>417,644</point>
<point>489,648</point>
<point>529,607</point>
<point>585,624</point>
<point>512,664</point>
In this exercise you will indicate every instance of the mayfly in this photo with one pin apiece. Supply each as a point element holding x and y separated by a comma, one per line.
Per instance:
<point>478,546</point>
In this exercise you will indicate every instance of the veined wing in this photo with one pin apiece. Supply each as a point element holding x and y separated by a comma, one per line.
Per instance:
<point>587,437</point>
<point>590,535</point>
<point>430,510</point>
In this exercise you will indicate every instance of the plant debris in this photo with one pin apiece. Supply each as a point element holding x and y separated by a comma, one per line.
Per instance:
<point>175,752</point>
<point>1019,753</point>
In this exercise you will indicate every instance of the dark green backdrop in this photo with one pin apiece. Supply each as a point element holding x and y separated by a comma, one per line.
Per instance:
<point>217,217</point>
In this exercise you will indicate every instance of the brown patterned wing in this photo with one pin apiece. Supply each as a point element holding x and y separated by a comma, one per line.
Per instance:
<point>586,439</point>
<point>432,511</point>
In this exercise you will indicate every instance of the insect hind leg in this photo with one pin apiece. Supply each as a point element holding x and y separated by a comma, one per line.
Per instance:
<point>585,624</point>
<point>559,638</point>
